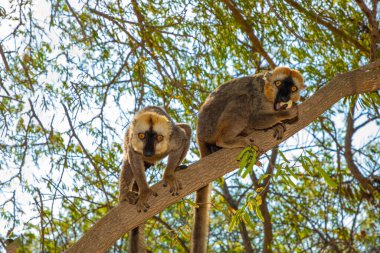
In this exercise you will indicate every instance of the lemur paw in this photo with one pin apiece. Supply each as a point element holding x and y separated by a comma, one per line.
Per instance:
<point>279,130</point>
<point>248,141</point>
<point>142,202</point>
<point>174,183</point>
<point>293,112</point>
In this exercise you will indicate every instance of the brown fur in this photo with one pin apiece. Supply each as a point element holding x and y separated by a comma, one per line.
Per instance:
<point>133,185</point>
<point>175,145</point>
<point>226,119</point>
<point>136,240</point>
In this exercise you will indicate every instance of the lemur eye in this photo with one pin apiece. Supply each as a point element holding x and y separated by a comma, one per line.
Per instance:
<point>141,136</point>
<point>294,88</point>
<point>159,137</point>
<point>277,83</point>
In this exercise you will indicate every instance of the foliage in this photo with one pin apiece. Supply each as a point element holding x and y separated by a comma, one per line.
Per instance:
<point>74,72</point>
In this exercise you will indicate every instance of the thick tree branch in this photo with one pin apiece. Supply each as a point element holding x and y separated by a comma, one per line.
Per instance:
<point>125,217</point>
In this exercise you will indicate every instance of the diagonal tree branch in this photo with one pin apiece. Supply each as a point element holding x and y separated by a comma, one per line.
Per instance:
<point>125,217</point>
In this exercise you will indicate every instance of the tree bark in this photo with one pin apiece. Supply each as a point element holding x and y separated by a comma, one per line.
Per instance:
<point>364,182</point>
<point>125,217</point>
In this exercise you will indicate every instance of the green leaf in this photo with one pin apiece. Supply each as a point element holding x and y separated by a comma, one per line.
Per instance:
<point>247,219</point>
<point>326,177</point>
<point>258,213</point>
<point>233,222</point>
<point>290,171</point>
<point>250,205</point>
<point>242,153</point>
<point>259,200</point>
<point>308,160</point>
<point>247,169</point>
<point>305,166</point>
<point>283,156</point>
<point>287,180</point>
<point>251,163</point>
<point>312,154</point>
<point>255,148</point>
<point>248,159</point>
<point>324,174</point>
<point>243,163</point>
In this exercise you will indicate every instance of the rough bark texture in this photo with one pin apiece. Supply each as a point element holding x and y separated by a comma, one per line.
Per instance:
<point>124,217</point>
<point>202,216</point>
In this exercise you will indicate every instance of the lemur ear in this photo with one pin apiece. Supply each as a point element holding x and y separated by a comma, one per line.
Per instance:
<point>268,75</point>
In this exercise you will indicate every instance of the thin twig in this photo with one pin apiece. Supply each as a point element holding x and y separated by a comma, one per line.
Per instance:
<point>97,170</point>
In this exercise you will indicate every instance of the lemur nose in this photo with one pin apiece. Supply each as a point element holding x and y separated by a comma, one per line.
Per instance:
<point>148,153</point>
<point>284,99</point>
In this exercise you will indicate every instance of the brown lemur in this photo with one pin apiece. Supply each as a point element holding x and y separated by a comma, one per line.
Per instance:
<point>231,113</point>
<point>151,137</point>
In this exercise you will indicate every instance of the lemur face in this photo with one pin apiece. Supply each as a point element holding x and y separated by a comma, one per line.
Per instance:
<point>151,134</point>
<point>282,87</point>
